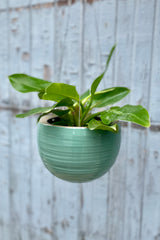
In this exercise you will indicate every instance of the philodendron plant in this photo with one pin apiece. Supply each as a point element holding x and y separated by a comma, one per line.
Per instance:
<point>72,109</point>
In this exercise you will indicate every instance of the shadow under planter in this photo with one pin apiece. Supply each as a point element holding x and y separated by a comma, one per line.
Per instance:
<point>77,154</point>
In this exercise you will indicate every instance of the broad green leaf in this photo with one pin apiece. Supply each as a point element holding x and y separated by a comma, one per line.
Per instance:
<point>35,111</point>
<point>95,125</point>
<point>96,83</point>
<point>136,114</point>
<point>65,102</point>
<point>109,96</point>
<point>99,78</point>
<point>58,91</point>
<point>24,83</point>
<point>60,112</point>
<point>85,94</point>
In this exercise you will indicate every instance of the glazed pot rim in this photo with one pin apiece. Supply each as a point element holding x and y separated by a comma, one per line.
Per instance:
<point>44,121</point>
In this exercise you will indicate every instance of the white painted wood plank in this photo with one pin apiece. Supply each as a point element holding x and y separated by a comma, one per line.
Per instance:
<point>20,162</point>
<point>105,25</point>
<point>142,50</point>
<point>68,42</point>
<point>66,209</point>
<point>140,77</point>
<point>71,62</point>
<point>43,1</point>
<point>121,75</point>
<point>3,5</point>
<point>4,175</point>
<point>151,204</point>
<point>4,130</point>
<point>41,193</point>
<point>98,41</point>
<point>94,209</point>
<point>14,59</point>
<point>155,73</point>
<point>123,52</point>
<point>116,192</point>
<point>42,42</point>
<point>19,53</point>
<point>134,183</point>
<point>61,21</point>
<point>42,28</point>
<point>19,3</point>
<point>19,57</point>
<point>4,93</point>
<point>42,47</point>
<point>91,54</point>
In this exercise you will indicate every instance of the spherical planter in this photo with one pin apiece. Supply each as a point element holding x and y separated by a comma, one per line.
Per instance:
<point>76,154</point>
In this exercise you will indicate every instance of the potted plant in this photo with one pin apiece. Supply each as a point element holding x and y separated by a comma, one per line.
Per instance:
<point>74,143</point>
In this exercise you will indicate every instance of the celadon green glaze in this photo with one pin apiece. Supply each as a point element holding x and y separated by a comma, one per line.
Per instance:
<point>77,154</point>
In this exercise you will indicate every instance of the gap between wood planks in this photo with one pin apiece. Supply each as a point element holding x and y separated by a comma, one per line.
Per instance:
<point>154,127</point>
<point>46,5</point>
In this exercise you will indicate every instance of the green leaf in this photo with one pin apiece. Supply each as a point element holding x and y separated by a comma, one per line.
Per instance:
<point>96,83</point>
<point>60,112</point>
<point>59,91</point>
<point>99,78</point>
<point>35,111</point>
<point>95,125</point>
<point>65,102</point>
<point>44,114</point>
<point>91,116</point>
<point>136,114</point>
<point>109,96</point>
<point>85,94</point>
<point>24,83</point>
<point>40,94</point>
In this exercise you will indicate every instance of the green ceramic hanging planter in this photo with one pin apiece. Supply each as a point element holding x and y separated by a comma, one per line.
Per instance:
<point>77,154</point>
<point>72,153</point>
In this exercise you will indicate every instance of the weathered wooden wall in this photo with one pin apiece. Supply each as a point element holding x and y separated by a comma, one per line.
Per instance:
<point>69,41</point>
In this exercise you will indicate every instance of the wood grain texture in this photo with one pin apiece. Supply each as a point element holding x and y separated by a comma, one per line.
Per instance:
<point>4,176</point>
<point>41,193</point>
<point>121,77</point>
<point>151,205</point>
<point>68,41</point>
<point>4,37</point>
<point>142,46</point>
<point>18,3</point>
<point>19,56</point>
<point>19,178</point>
<point>42,34</point>
<point>154,96</point>
<point>42,47</point>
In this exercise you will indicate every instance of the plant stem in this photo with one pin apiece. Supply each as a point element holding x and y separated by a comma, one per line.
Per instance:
<point>81,105</point>
<point>86,112</point>
<point>91,116</point>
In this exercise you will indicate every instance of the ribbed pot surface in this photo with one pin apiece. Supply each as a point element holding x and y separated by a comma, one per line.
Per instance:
<point>77,154</point>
